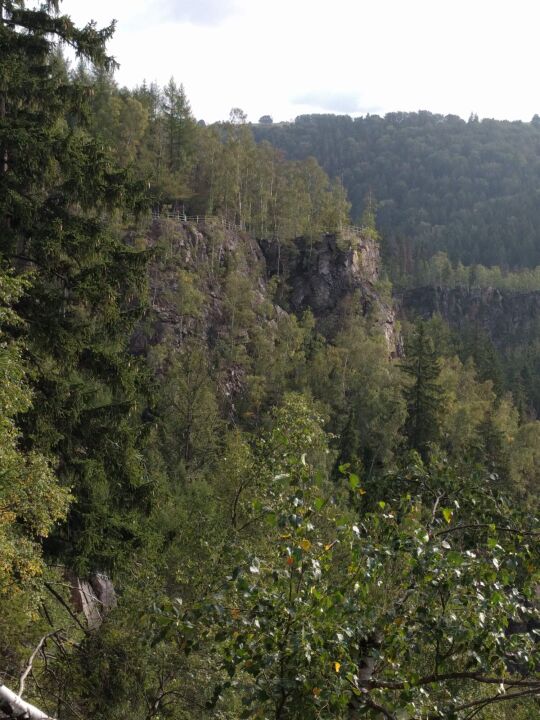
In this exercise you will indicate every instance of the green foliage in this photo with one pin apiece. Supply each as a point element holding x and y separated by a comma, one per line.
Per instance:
<point>191,426</point>
<point>467,405</point>
<point>31,501</point>
<point>256,188</point>
<point>524,458</point>
<point>368,219</point>
<point>242,472</point>
<point>356,378</point>
<point>60,197</point>
<point>403,609</point>
<point>439,271</point>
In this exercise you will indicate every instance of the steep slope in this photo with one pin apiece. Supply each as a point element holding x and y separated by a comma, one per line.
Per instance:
<point>326,276</point>
<point>506,317</point>
<point>500,329</point>
<point>201,265</point>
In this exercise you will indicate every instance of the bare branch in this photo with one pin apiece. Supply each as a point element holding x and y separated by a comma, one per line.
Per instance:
<point>477,677</point>
<point>484,526</point>
<point>66,607</point>
<point>490,701</point>
<point>28,668</point>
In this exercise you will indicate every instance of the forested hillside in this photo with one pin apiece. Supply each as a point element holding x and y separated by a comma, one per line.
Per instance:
<point>456,205</point>
<point>469,189</point>
<point>232,484</point>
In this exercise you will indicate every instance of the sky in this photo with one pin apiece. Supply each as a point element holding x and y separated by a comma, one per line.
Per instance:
<point>289,57</point>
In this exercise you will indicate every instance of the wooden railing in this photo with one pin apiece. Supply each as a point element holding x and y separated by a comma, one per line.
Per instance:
<point>224,222</point>
<point>198,219</point>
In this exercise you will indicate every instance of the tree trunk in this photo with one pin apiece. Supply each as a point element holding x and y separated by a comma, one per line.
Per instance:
<point>12,704</point>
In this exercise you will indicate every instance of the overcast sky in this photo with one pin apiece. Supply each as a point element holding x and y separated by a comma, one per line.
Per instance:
<point>288,57</point>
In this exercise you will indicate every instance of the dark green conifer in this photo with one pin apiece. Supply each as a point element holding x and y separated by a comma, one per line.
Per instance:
<point>60,195</point>
<point>423,395</point>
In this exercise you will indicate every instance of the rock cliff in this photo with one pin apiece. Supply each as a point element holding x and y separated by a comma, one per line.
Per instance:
<point>324,274</point>
<point>506,317</point>
<point>195,261</point>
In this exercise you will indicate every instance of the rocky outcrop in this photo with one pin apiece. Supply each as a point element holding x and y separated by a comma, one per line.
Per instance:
<point>186,281</point>
<point>322,274</point>
<point>94,597</point>
<point>503,315</point>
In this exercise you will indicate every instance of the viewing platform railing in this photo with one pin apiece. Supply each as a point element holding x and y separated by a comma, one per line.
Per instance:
<point>224,222</point>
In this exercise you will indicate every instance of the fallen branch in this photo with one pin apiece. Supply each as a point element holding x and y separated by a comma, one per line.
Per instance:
<point>18,708</point>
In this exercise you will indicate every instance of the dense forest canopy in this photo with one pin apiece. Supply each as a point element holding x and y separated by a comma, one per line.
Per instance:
<point>231,485</point>
<point>442,184</point>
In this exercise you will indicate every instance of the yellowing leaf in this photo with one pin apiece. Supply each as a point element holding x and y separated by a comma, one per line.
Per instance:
<point>316,691</point>
<point>447,514</point>
<point>305,544</point>
<point>354,481</point>
<point>337,667</point>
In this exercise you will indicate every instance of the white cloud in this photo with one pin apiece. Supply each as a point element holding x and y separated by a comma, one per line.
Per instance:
<point>448,56</point>
<point>348,103</point>
<point>200,12</point>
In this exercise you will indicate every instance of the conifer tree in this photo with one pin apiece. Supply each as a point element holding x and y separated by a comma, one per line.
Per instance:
<point>180,126</point>
<point>59,196</point>
<point>368,221</point>
<point>423,395</point>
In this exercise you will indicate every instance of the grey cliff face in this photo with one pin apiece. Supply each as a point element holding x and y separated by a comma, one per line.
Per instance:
<point>324,273</point>
<point>503,315</point>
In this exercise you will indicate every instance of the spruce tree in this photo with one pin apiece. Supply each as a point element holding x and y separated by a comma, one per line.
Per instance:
<point>423,395</point>
<point>60,197</point>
